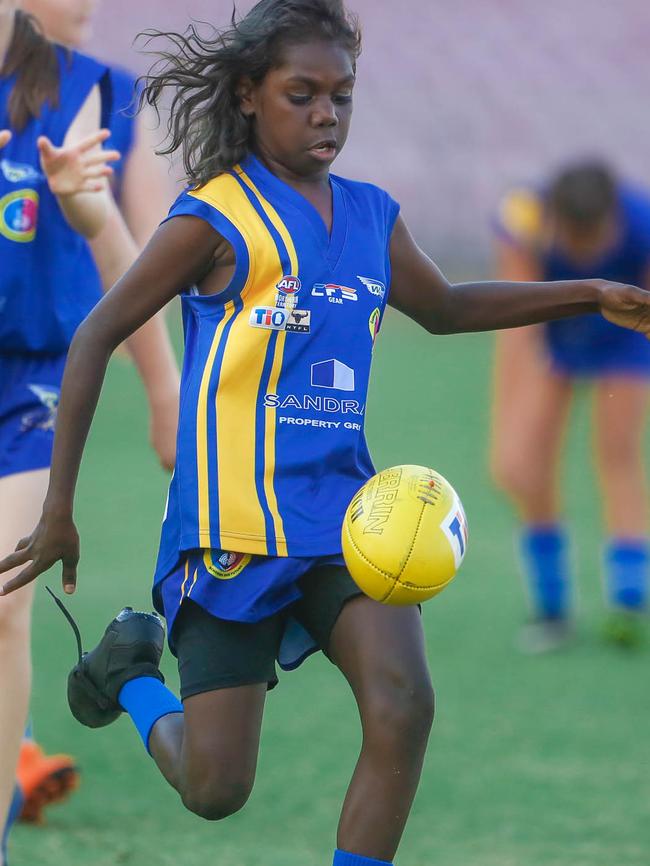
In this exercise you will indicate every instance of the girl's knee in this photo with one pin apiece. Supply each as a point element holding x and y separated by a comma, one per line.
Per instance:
<point>401,707</point>
<point>216,799</point>
<point>515,475</point>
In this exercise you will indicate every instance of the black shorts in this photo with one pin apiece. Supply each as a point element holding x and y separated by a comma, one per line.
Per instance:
<point>216,653</point>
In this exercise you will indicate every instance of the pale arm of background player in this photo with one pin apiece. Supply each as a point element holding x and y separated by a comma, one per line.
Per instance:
<point>420,290</point>
<point>5,135</point>
<point>77,171</point>
<point>115,250</point>
<point>147,188</point>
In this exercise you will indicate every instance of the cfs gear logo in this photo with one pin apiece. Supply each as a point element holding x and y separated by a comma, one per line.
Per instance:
<point>19,215</point>
<point>287,290</point>
<point>43,418</point>
<point>373,323</point>
<point>277,319</point>
<point>226,565</point>
<point>334,293</point>
<point>375,287</point>
<point>332,374</point>
<point>19,172</point>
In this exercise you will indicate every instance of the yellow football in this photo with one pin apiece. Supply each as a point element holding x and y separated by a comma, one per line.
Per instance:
<point>404,535</point>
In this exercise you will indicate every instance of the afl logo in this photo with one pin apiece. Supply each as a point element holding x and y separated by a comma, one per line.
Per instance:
<point>289,285</point>
<point>226,565</point>
<point>19,215</point>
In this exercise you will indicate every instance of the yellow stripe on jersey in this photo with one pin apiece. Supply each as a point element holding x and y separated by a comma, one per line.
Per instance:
<point>202,429</point>
<point>269,444</point>
<point>240,511</point>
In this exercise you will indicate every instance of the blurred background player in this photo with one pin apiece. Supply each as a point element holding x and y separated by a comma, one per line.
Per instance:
<point>585,223</point>
<point>140,181</point>
<point>51,201</point>
<point>141,187</point>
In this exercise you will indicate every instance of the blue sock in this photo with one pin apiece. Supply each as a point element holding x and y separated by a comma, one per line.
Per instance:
<point>12,817</point>
<point>343,858</point>
<point>29,730</point>
<point>626,565</point>
<point>547,573</point>
<point>146,700</point>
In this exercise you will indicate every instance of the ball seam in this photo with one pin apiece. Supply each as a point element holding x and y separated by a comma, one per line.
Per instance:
<point>398,582</point>
<point>362,555</point>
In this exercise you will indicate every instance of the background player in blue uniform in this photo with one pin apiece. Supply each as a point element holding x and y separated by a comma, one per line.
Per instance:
<point>584,223</point>
<point>34,195</point>
<point>140,183</point>
<point>48,283</point>
<point>142,187</point>
<point>261,112</point>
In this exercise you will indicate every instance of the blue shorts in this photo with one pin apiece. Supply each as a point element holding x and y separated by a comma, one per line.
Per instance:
<point>245,588</point>
<point>590,346</point>
<point>29,396</point>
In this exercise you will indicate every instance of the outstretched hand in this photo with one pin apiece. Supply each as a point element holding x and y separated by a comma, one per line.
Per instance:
<point>76,168</point>
<point>55,538</point>
<point>5,137</point>
<point>627,306</point>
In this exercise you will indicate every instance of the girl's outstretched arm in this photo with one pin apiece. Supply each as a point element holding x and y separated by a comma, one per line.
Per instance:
<point>420,290</point>
<point>179,254</point>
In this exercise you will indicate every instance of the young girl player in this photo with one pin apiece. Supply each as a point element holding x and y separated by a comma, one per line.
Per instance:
<point>284,272</point>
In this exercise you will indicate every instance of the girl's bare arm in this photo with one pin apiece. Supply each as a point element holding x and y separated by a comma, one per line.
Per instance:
<point>179,254</point>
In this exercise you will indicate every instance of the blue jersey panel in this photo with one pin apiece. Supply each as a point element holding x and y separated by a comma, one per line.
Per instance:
<point>271,445</point>
<point>48,281</point>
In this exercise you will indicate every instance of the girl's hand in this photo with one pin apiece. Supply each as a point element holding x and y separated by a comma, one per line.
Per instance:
<point>5,137</point>
<point>623,305</point>
<point>77,168</point>
<point>55,538</point>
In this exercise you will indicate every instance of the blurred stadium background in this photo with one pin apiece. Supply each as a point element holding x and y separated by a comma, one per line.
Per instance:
<point>458,99</point>
<point>533,762</point>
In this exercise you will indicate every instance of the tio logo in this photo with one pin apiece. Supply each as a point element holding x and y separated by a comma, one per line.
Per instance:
<point>268,317</point>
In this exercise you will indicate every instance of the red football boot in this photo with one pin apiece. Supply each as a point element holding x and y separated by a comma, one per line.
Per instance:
<point>43,779</point>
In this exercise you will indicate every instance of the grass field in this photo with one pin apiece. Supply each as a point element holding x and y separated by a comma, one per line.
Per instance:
<point>532,762</point>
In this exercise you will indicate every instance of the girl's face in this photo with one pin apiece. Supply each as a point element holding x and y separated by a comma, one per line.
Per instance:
<point>68,22</point>
<point>302,109</point>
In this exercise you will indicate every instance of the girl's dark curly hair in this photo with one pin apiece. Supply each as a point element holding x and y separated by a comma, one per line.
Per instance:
<point>203,73</point>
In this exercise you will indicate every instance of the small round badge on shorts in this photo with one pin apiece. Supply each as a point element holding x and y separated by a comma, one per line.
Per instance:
<point>224,564</point>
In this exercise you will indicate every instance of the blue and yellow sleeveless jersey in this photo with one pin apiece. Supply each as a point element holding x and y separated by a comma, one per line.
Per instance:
<point>588,344</point>
<point>48,280</point>
<point>271,444</point>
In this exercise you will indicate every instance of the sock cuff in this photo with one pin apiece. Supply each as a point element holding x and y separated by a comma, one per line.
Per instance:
<point>544,537</point>
<point>344,858</point>
<point>147,700</point>
<point>631,549</point>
